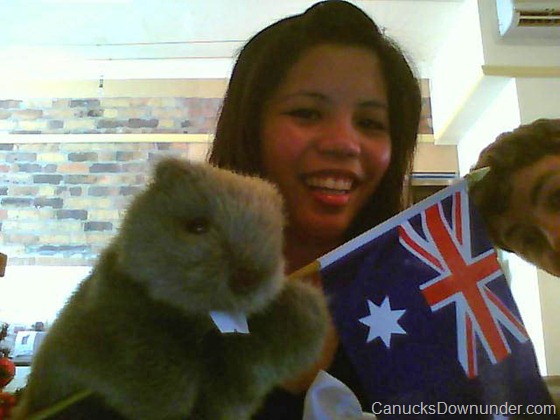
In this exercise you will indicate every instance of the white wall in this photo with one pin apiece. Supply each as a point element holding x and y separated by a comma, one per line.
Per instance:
<point>456,69</point>
<point>549,289</point>
<point>524,284</point>
<point>538,97</point>
<point>37,293</point>
<point>501,115</point>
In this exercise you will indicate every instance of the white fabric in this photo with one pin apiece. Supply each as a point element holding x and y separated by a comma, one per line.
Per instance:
<point>330,399</point>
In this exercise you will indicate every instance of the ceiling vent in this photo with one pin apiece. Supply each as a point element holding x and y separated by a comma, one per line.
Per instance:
<point>529,18</point>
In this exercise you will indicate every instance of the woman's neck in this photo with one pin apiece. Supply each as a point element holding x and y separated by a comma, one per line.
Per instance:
<point>300,251</point>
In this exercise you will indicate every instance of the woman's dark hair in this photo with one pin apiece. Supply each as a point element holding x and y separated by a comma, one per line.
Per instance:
<point>510,152</point>
<point>264,63</point>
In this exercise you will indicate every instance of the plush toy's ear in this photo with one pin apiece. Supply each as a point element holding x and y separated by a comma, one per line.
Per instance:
<point>171,169</point>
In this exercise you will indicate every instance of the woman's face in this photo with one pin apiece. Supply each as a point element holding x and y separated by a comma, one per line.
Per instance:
<point>531,226</point>
<point>326,141</point>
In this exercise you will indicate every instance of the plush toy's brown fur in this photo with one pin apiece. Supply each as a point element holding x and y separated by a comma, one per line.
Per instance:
<point>138,331</point>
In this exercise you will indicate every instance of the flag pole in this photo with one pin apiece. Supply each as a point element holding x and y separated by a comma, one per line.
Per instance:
<point>306,271</point>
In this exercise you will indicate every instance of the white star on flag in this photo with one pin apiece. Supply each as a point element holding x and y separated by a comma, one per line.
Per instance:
<point>383,321</point>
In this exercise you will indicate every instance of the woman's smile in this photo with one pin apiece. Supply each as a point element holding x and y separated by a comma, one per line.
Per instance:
<point>331,188</point>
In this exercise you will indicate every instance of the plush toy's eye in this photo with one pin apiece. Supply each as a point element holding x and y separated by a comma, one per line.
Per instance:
<point>197,226</point>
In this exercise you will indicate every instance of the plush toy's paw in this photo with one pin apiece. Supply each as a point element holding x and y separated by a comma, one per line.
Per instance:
<point>293,328</point>
<point>306,312</point>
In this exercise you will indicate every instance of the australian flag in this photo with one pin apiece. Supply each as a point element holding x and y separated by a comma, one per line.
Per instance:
<point>427,317</point>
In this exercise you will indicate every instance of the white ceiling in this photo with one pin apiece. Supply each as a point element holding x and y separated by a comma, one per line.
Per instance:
<point>179,38</point>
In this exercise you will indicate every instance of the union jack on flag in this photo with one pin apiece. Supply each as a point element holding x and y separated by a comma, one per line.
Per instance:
<point>463,281</point>
<point>425,314</point>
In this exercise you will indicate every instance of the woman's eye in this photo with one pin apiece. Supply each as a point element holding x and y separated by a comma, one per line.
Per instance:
<point>305,114</point>
<point>197,225</point>
<point>371,124</point>
<point>371,121</point>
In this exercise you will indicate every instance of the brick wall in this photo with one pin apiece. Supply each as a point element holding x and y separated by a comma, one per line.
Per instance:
<point>60,203</point>
<point>108,115</point>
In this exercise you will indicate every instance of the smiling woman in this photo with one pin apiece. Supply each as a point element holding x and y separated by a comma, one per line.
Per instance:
<point>327,108</point>
<point>328,87</point>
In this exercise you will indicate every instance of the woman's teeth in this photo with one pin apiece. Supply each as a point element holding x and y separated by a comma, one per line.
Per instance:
<point>336,185</point>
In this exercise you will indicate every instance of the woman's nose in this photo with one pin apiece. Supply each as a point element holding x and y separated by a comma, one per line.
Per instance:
<point>339,138</point>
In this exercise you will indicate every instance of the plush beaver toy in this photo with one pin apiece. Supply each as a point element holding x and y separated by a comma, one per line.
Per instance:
<point>142,332</point>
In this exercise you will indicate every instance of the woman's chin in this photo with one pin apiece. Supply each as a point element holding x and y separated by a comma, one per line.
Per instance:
<point>327,230</point>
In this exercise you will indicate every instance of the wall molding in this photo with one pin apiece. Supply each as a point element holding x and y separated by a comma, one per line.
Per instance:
<point>155,88</point>
<point>105,138</point>
<point>521,71</point>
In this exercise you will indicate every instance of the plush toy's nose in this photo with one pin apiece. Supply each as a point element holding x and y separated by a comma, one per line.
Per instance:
<point>244,280</point>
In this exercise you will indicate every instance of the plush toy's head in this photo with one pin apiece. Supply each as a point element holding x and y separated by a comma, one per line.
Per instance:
<point>202,238</point>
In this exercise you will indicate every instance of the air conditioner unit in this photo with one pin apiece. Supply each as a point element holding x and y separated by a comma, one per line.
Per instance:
<point>529,18</point>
